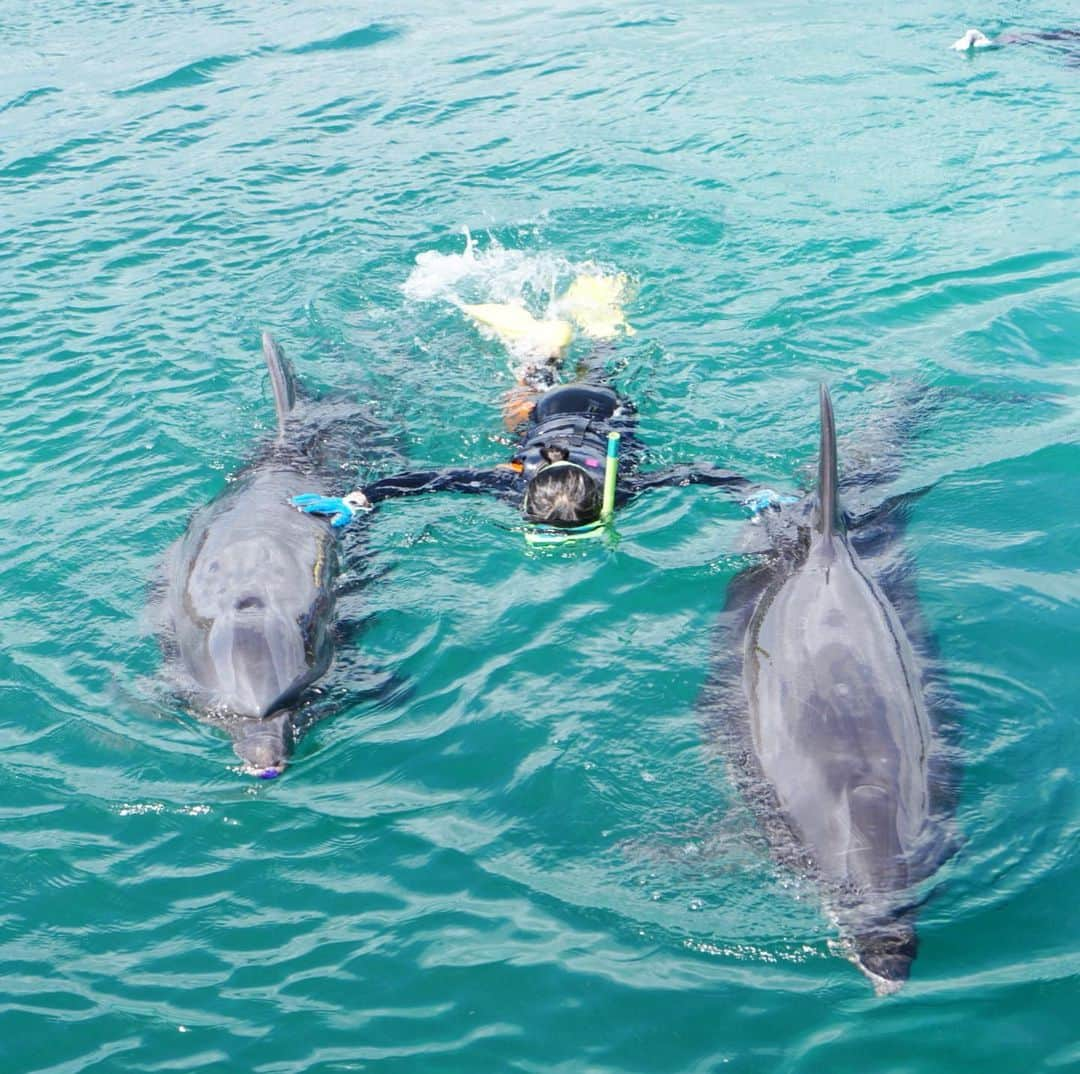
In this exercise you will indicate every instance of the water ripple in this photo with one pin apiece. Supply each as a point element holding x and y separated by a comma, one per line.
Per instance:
<point>511,843</point>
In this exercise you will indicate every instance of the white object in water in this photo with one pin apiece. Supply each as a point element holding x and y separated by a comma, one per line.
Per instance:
<point>972,39</point>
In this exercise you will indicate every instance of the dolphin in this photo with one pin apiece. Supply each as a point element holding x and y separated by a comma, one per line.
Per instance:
<point>246,609</point>
<point>833,740</point>
<point>1065,41</point>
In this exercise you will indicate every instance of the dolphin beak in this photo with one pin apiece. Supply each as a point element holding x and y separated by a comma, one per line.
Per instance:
<point>885,955</point>
<point>263,745</point>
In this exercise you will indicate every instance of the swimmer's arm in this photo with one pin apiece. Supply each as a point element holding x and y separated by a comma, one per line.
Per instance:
<point>495,480</point>
<point>341,511</point>
<point>756,497</point>
<point>699,474</point>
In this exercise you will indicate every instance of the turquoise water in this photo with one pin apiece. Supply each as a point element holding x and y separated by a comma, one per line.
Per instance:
<point>511,847</point>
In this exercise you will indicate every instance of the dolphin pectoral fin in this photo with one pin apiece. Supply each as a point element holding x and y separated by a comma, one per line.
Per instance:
<point>894,507</point>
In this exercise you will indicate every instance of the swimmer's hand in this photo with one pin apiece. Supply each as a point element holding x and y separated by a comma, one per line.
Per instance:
<point>766,498</point>
<point>341,510</point>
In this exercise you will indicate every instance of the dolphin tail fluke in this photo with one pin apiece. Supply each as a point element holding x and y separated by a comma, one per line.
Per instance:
<point>282,380</point>
<point>828,519</point>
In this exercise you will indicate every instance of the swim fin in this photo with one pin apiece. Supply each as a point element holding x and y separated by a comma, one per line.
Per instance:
<point>518,328</point>
<point>594,303</point>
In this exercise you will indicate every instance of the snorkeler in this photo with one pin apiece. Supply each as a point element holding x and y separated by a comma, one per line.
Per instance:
<point>578,454</point>
<point>559,474</point>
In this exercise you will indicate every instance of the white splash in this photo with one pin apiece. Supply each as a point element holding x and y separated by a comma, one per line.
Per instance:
<point>495,273</point>
<point>533,302</point>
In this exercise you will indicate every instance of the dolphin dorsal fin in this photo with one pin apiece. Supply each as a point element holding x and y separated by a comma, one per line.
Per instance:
<point>828,517</point>
<point>282,380</point>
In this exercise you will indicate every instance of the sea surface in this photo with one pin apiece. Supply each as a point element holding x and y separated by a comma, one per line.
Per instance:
<point>511,845</point>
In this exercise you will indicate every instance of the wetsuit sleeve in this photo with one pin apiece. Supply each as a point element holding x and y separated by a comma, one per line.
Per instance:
<point>700,474</point>
<point>498,481</point>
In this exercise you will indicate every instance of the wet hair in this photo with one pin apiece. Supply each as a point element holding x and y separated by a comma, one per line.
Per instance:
<point>562,495</point>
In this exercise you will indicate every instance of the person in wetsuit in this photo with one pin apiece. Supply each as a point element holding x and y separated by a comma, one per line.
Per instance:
<point>556,476</point>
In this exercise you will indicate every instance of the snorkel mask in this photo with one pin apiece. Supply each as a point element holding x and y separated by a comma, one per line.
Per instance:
<point>541,535</point>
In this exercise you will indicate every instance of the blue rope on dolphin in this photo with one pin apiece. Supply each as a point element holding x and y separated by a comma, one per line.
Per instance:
<point>340,509</point>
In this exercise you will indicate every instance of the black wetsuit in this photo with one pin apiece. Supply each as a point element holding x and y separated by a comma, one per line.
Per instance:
<point>574,417</point>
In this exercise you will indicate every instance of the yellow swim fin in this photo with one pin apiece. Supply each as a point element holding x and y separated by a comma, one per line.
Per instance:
<point>518,328</point>
<point>594,303</point>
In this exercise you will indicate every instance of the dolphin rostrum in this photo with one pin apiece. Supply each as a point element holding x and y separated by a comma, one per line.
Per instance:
<point>246,608</point>
<point>836,741</point>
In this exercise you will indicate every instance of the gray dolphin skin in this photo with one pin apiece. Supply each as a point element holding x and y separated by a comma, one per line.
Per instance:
<point>247,606</point>
<point>837,737</point>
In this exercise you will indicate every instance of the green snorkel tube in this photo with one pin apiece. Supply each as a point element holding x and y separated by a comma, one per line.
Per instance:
<point>611,473</point>
<point>557,535</point>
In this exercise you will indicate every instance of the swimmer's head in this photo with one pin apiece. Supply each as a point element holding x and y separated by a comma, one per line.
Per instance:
<point>562,493</point>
